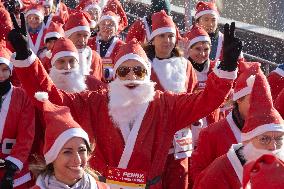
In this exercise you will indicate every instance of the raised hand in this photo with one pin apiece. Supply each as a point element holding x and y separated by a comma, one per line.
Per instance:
<point>17,37</point>
<point>232,48</point>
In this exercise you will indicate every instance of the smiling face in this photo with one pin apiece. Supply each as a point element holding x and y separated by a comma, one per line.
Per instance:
<point>164,44</point>
<point>208,22</point>
<point>71,161</point>
<point>34,21</point>
<point>107,29</point>
<point>199,52</point>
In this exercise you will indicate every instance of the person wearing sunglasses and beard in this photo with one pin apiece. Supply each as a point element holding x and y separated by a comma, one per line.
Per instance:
<point>132,124</point>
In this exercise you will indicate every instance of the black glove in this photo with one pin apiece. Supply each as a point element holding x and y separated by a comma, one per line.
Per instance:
<point>12,6</point>
<point>8,179</point>
<point>17,37</point>
<point>232,48</point>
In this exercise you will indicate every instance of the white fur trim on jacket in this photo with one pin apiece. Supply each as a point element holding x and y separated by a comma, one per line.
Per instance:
<point>246,90</point>
<point>76,29</point>
<point>225,74</point>
<point>201,13</point>
<point>63,54</point>
<point>16,161</point>
<point>262,129</point>
<point>23,63</point>
<point>23,179</point>
<point>52,153</point>
<point>41,96</point>
<point>235,162</point>
<point>162,30</point>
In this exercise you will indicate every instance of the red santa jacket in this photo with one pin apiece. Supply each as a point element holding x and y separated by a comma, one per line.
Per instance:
<point>276,82</point>
<point>154,127</point>
<point>214,141</point>
<point>17,125</point>
<point>36,40</point>
<point>226,172</point>
<point>279,103</point>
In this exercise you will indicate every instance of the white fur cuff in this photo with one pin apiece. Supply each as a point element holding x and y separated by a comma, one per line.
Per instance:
<point>225,74</point>
<point>23,63</point>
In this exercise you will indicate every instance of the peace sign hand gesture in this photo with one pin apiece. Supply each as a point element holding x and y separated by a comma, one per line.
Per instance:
<point>232,48</point>
<point>17,37</point>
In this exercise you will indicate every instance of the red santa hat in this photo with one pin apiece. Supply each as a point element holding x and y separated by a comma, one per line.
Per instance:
<point>47,3</point>
<point>203,8</point>
<point>262,116</point>
<point>245,80</point>
<point>85,5</point>
<point>36,9</point>
<point>109,15</point>
<point>132,51</point>
<point>266,172</point>
<point>5,24</point>
<point>54,30</point>
<point>63,47</point>
<point>5,56</point>
<point>60,127</point>
<point>78,21</point>
<point>162,23</point>
<point>195,35</point>
<point>116,7</point>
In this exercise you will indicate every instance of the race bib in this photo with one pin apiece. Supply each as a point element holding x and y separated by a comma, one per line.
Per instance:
<point>183,143</point>
<point>107,63</point>
<point>118,178</point>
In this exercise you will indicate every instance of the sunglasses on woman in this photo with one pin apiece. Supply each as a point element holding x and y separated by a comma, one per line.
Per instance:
<point>139,71</point>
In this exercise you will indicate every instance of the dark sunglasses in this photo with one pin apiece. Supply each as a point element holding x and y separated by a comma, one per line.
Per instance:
<point>139,71</point>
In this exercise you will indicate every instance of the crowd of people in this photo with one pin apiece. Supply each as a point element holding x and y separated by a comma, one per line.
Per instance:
<point>82,108</point>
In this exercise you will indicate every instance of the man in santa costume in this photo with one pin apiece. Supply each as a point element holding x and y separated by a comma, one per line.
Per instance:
<point>17,123</point>
<point>216,139</point>
<point>262,133</point>
<point>138,122</point>
<point>266,172</point>
<point>276,80</point>
<point>77,29</point>
<point>207,16</point>
<point>35,26</point>
<point>107,43</point>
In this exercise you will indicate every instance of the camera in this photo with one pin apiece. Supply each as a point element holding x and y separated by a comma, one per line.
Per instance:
<point>108,74</point>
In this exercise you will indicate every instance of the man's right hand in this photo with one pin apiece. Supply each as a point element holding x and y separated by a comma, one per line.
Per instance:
<point>17,38</point>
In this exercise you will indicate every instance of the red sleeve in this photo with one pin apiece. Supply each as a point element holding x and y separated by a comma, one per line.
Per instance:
<point>191,107</point>
<point>136,30</point>
<point>279,103</point>
<point>97,66</point>
<point>25,130</point>
<point>202,156</point>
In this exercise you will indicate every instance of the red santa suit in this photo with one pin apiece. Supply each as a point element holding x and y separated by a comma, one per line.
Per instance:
<point>226,172</point>
<point>146,148</point>
<point>276,82</point>
<point>279,103</point>
<point>17,133</point>
<point>213,142</point>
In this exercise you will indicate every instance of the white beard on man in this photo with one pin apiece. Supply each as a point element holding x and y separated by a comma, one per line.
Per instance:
<point>126,103</point>
<point>251,153</point>
<point>85,60</point>
<point>68,80</point>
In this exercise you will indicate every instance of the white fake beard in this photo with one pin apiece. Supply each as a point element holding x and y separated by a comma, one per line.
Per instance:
<point>72,82</point>
<point>85,60</point>
<point>125,104</point>
<point>251,153</point>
